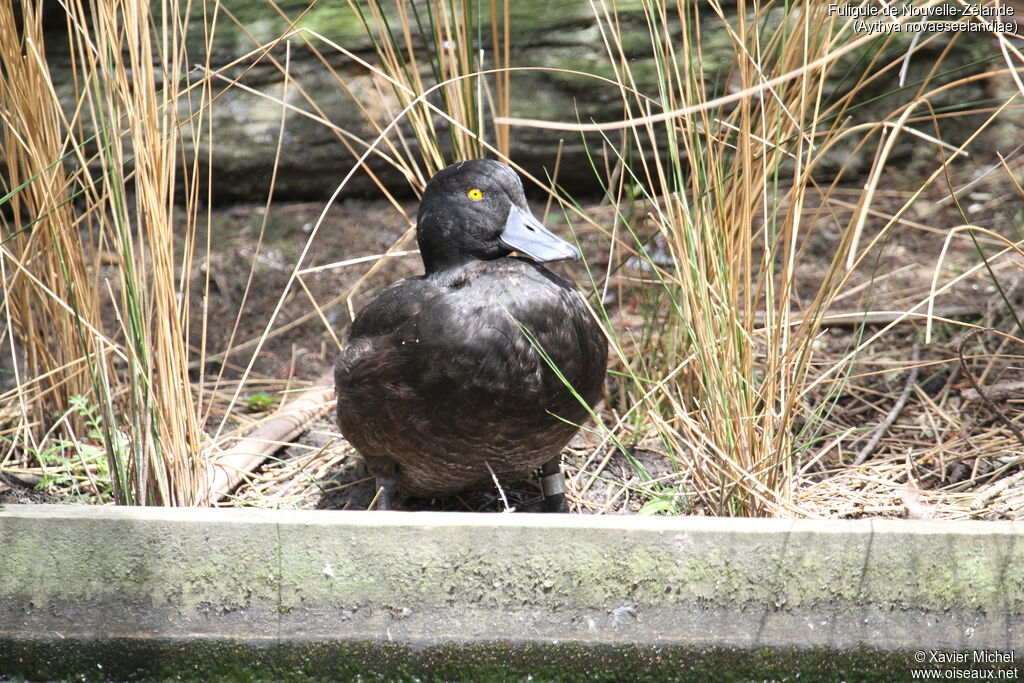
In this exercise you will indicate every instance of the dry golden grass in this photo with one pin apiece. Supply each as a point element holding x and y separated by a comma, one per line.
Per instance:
<point>51,303</point>
<point>115,154</point>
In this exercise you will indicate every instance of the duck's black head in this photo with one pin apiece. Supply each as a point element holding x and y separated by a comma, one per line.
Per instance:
<point>476,210</point>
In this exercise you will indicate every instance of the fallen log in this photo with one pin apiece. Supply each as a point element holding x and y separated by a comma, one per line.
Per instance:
<point>226,471</point>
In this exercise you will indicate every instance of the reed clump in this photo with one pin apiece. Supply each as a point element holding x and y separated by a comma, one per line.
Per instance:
<point>90,215</point>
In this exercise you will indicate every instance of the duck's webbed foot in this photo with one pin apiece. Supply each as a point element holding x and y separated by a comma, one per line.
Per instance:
<point>552,485</point>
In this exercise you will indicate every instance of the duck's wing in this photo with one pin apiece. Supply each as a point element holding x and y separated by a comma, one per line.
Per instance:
<point>367,350</point>
<point>370,346</point>
<point>398,303</point>
<point>371,372</point>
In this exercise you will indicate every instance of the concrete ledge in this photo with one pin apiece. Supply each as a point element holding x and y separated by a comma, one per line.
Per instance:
<point>402,587</point>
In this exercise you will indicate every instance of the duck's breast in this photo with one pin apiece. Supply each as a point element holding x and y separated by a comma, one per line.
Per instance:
<point>496,336</point>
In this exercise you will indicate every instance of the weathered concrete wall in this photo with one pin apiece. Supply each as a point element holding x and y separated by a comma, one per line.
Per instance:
<point>152,576</point>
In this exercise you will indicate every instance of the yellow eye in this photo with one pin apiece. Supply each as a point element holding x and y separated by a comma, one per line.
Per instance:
<point>475,194</point>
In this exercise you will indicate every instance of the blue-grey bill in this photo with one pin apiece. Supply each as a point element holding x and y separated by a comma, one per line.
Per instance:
<point>526,235</point>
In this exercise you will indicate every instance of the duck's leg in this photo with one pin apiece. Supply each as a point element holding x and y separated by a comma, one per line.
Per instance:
<point>552,485</point>
<point>385,479</point>
<point>386,493</point>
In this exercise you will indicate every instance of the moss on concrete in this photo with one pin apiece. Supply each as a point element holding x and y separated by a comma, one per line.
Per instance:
<point>123,660</point>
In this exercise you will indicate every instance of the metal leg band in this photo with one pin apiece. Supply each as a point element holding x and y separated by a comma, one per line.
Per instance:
<point>552,484</point>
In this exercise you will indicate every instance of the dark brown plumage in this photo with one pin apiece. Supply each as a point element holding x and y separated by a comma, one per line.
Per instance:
<point>444,374</point>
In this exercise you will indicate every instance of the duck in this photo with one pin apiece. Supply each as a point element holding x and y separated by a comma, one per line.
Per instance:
<point>483,368</point>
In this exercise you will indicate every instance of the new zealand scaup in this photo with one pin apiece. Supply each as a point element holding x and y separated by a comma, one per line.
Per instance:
<point>440,387</point>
